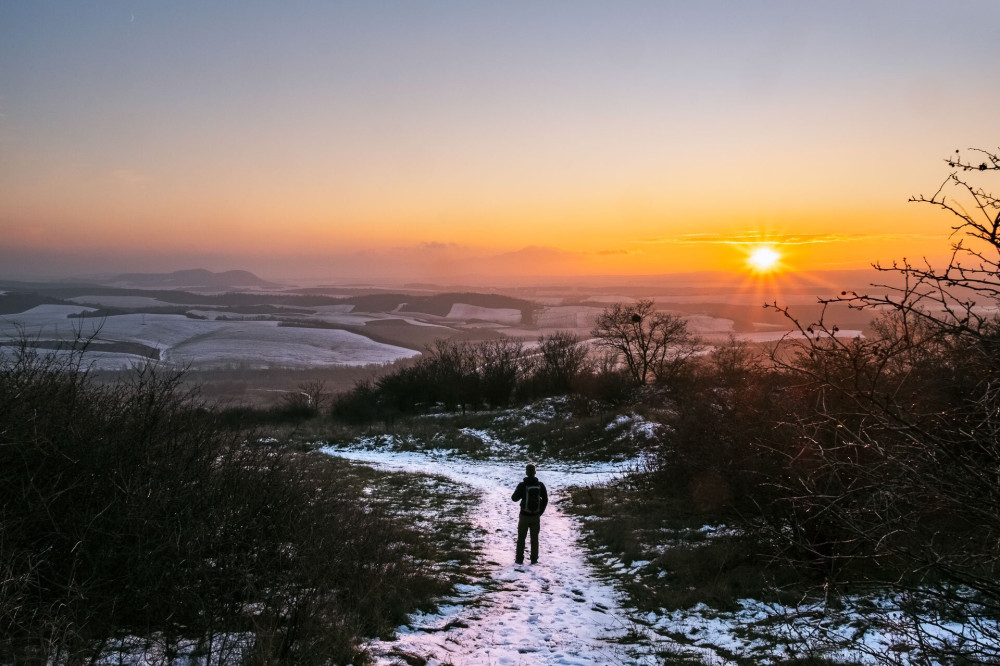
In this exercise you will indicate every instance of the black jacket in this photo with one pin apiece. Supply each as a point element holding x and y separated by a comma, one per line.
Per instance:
<point>519,495</point>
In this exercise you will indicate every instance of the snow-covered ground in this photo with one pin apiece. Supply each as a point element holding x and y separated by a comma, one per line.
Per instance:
<point>496,315</point>
<point>699,324</point>
<point>201,343</point>
<point>559,611</point>
<point>568,316</point>
<point>562,611</point>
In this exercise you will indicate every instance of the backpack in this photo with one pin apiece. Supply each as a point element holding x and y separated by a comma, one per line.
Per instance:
<point>532,503</point>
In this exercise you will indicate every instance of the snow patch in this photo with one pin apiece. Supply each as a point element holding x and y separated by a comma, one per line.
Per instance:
<point>200,343</point>
<point>706,324</point>
<point>634,427</point>
<point>568,316</point>
<point>497,315</point>
<point>558,611</point>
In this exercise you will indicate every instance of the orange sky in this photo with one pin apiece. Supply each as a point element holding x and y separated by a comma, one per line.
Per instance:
<point>440,142</point>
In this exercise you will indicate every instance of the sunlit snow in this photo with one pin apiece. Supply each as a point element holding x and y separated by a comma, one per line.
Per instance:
<point>558,611</point>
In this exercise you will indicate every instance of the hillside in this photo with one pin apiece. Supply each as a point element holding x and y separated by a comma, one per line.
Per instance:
<point>197,278</point>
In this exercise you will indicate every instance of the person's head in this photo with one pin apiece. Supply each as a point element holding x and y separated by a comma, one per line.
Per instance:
<point>529,469</point>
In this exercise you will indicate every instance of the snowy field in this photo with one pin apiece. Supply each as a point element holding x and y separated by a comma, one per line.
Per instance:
<point>568,316</point>
<point>703,324</point>
<point>265,344</point>
<point>214,339</point>
<point>466,311</point>
<point>183,341</point>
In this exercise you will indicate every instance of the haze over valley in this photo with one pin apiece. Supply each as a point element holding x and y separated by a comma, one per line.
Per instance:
<point>236,322</point>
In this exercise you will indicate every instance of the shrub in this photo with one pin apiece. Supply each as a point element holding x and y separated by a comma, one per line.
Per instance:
<point>129,510</point>
<point>894,482</point>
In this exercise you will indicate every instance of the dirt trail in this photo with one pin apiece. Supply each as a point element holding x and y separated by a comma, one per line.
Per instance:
<point>553,612</point>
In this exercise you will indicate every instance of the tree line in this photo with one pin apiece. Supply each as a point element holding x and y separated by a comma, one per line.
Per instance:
<point>633,345</point>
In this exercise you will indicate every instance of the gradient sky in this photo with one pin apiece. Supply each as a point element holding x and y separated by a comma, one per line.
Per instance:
<point>441,140</point>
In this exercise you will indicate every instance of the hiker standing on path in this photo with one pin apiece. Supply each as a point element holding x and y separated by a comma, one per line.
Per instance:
<point>533,497</point>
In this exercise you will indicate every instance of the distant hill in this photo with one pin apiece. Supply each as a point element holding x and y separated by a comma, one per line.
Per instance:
<point>197,278</point>
<point>15,303</point>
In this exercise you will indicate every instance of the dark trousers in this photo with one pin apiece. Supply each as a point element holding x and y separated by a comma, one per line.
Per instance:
<point>524,524</point>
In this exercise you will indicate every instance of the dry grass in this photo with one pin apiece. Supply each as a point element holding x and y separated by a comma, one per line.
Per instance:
<point>692,557</point>
<point>127,510</point>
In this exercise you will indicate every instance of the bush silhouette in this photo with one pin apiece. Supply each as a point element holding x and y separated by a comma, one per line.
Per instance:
<point>128,509</point>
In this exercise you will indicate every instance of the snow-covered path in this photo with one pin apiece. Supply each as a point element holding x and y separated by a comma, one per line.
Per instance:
<point>554,612</point>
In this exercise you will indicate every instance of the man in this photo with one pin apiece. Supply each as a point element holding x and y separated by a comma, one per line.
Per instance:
<point>533,497</point>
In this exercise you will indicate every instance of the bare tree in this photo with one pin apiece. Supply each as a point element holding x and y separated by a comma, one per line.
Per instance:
<point>501,366</point>
<point>651,344</point>
<point>562,358</point>
<point>308,400</point>
<point>315,393</point>
<point>894,482</point>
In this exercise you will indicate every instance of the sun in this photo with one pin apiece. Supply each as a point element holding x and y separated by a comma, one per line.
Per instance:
<point>764,259</point>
